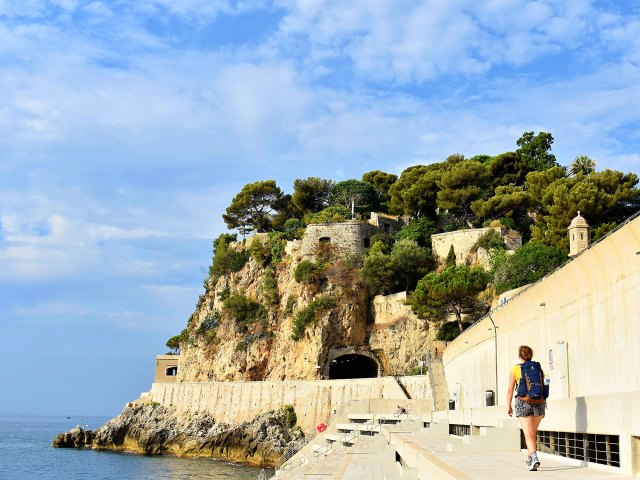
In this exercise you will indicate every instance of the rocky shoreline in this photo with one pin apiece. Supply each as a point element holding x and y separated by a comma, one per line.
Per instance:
<point>153,429</point>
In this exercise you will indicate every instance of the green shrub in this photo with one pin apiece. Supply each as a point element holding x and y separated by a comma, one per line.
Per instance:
<point>209,323</point>
<point>269,287</point>
<point>290,412</point>
<point>288,308</point>
<point>451,257</point>
<point>528,264</point>
<point>416,371</point>
<point>244,344</point>
<point>418,230</point>
<point>293,229</point>
<point>277,244</point>
<point>449,330</point>
<point>334,214</point>
<point>224,293</point>
<point>225,258</point>
<point>308,272</point>
<point>309,315</point>
<point>269,251</point>
<point>491,240</point>
<point>243,309</point>
<point>260,251</point>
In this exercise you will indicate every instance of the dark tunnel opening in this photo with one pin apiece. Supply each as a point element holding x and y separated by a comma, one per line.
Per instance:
<point>352,366</point>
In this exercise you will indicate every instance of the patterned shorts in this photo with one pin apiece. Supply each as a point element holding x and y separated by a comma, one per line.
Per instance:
<point>524,409</point>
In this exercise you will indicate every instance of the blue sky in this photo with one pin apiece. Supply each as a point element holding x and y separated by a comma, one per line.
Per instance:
<point>126,127</point>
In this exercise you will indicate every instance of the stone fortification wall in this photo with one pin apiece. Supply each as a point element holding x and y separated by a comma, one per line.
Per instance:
<point>350,236</point>
<point>463,240</point>
<point>386,223</point>
<point>389,308</point>
<point>314,401</point>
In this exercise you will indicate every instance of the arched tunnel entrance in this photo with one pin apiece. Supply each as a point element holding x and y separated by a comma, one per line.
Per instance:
<point>352,365</point>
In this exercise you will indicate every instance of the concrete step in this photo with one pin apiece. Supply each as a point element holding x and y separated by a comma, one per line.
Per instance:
<point>490,439</point>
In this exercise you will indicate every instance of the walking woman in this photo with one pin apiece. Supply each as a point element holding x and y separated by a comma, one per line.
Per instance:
<point>530,415</point>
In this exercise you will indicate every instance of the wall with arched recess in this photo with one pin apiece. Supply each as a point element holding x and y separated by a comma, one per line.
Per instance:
<point>335,353</point>
<point>582,321</point>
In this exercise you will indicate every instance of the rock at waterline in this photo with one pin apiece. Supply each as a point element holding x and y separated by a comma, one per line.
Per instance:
<point>75,438</point>
<point>155,430</point>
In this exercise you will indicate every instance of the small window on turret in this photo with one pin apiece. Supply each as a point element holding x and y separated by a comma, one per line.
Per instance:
<point>367,242</point>
<point>171,371</point>
<point>581,236</point>
<point>573,237</point>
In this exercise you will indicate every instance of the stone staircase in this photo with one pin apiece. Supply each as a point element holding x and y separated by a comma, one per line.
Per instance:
<point>353,439</point>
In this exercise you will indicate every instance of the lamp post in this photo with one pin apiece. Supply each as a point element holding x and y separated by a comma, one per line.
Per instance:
<point>495,349</point>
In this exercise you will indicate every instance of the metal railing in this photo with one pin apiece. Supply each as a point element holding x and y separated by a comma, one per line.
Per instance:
<point>294,464</point>
<point>323,449</point>
<point>290,452</point>
<point>347,437</point>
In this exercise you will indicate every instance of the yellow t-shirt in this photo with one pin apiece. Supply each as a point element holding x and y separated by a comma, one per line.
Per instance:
<point>517,372</point>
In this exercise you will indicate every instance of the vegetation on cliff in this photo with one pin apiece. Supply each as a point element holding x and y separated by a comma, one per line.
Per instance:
<point>525,190</point>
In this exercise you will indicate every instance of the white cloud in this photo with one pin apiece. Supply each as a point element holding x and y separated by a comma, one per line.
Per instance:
<point>417,40</point>
<point>98,9</point>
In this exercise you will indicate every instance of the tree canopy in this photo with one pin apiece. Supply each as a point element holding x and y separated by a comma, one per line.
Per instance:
<point>253,207</point>
<point>361,194</point>
<point>536,150</point>
<point>452,291</point>
<point>381,182</point>
<point>311,194</point>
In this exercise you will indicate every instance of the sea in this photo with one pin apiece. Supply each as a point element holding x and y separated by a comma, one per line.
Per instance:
<point>26,454</point>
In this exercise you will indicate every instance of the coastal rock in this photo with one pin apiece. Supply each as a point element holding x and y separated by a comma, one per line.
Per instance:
<point>75,438</point>
<point>155,430</point>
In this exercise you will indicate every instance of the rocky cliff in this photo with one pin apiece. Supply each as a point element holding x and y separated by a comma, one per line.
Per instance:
<point>155,430</point>
<point>220,347</point>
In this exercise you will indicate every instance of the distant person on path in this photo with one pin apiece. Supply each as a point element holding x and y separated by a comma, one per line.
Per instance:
<point>401,410</point>
<point>529,414</point>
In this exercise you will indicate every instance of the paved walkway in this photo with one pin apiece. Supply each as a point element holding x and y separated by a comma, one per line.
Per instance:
<point>370,459</point>
<point>490,465</point>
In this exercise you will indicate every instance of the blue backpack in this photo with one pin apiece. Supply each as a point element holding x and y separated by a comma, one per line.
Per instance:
<point>532,388</point>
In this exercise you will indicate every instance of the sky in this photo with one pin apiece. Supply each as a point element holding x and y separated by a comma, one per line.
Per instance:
<point>126,128</point>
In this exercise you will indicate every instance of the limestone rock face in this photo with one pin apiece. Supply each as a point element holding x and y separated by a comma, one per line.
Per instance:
<point>236,355</point>
<point>236,351</point>
<point>152,430</point>
<point>398,337</point>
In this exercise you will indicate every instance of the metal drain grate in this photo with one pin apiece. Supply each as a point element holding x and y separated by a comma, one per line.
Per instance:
<point>589,447</point>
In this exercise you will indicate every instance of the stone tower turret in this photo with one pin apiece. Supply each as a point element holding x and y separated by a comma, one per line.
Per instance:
<point>579,235</point>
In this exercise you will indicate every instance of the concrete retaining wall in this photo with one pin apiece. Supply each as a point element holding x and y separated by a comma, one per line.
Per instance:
<point>314,401</point>
<point>583,323</point>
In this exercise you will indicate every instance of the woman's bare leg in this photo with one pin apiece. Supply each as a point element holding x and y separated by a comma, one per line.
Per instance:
<point>530,429</point>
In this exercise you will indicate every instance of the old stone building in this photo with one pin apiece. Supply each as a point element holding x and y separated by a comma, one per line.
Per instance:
<point>352,236</point>
<point>463,240</point>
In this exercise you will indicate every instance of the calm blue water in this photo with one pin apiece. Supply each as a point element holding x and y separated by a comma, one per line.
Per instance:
<point>25,454</point>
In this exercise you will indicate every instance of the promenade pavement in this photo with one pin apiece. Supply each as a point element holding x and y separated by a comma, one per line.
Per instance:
<point>501,465</point>
<point>372,459</point>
